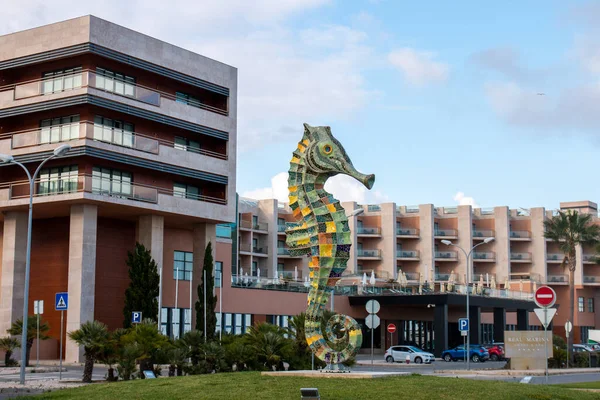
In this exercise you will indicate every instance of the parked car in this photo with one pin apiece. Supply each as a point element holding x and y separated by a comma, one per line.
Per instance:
<point>477,353</point>
<point>582,348</point>
<point>399,353</point>
<point>496,352</point>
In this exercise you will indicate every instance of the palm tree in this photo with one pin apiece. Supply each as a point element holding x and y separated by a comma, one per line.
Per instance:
<point>16,329</point>
<point>8,345</point>
<point>193,341</point>
<point>95,338</point>
<point>269,344</point>
<point>149,341</point>
<point>568,230</point>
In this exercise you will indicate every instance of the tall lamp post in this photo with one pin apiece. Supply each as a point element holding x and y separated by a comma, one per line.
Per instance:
<point>469,259</point>
<point>8,159</point>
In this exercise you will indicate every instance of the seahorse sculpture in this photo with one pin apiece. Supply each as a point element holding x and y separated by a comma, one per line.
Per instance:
<point>322,233</point>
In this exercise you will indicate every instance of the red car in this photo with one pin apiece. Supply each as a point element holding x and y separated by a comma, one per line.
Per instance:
<point>496,352</point>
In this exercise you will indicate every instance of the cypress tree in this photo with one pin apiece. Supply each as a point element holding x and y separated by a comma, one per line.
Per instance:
<point>211,299</point>
<point>142,293</point>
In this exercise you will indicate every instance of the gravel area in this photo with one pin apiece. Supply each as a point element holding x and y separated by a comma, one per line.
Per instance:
<point>29,370</point>
<point>39,386</point>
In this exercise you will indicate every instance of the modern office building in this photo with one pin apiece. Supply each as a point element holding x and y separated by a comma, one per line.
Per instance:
<point>152,130</point>
<point>403,244</point>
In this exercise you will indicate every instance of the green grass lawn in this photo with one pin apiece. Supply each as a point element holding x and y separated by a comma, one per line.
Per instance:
<point>251,385</point>
<point>582,385</point>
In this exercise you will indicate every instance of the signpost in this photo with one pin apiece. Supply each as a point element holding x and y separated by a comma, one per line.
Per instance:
<point>545,297</point>
<point>61,303</point>
<point>391,328</point>
<point>568,327</point>
<point>136,317</point>
<point>463,327</point>
<point>38,308</point>
<point>372,321</point>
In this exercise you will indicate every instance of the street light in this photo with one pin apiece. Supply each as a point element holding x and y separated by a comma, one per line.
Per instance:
<point>468,257</point>
<point>8,159</point>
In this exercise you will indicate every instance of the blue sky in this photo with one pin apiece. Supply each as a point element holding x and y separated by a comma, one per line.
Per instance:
<point>435,98</point>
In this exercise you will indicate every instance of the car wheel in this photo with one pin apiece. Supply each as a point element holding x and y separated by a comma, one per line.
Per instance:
<point>447,358</point>
<point>418,360</point>
<point>389,359</point>
<point>494,357</point>
<point>475,358</point>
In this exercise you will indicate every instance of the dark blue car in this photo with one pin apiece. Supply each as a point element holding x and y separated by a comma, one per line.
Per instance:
<point>477,353</point>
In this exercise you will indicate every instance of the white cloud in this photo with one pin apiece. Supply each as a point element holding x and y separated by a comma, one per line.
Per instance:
<point>342,187</point>
<point>463,200</point>
<point>419,67</point>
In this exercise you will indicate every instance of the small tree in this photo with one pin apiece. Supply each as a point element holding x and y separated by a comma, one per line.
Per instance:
<point>211,299</point>
<point>95,338</point>
<point>16,329</point>
<point>8,345</point>
<point>149,341</point>
<point>142,293</point>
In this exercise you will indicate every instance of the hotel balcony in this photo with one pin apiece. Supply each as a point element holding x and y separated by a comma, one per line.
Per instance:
<point>591,280</point>
<point>484,256</point>
<point>284,252</point>
<point>554,257</point>
<point>263,227</point>
<point>409,233</point>
<point>368,231</point>
<point>590,259</point>
<point>281,229</point>
<point>520,235</point>
<point>479,234</point>
<point>557,279</point>
<point>247,249</point>
<point>75,188</point>
<point>374,254</point>
<point>445,234</point>
<point>520,257</point>
<point>446,256</point>
<point>442,277</point>
<point>405,255</point>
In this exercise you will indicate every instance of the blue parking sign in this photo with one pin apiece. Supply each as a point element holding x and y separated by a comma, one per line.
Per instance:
<point>463,324</point>
<point>136,317</point>
<point>61,301</point>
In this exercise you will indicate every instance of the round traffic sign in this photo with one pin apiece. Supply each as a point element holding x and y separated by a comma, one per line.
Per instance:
<point>373,306</point>
<point>568,326</point>
<point>391,328</point>
<point>372,321</point>
<point>544,296</point>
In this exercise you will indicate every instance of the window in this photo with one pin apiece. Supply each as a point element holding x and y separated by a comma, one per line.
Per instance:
<point>279,268</point>
<point>182,265</point>
<point>115,82</point>
<point>174,322</point>
<point>236,324</point>
<point>58,180</point>
<point>254,268</point>
<point>164,321</point>
<point>185,98</point>
<point>591,304</point>
<point>111,182</point>
<point>218,272</point>
<point>224,231</point>
<point>56,130</point>
<point>187,144</point>
<point>580,304</point>
<point>254,244</point>
<point>281,221</point>
<point>255,222</point>
<point>186,191</point>
<point>113,131</point>
<point>58,81</point>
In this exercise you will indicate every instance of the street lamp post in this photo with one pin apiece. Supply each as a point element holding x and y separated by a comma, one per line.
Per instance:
<point>8,159</point>
<point>468,257</point>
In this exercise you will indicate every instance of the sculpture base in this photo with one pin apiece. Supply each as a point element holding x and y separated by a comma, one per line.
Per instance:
<point>336,369</point>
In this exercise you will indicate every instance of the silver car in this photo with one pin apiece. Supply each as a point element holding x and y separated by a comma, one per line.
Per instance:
<point>416,355</point>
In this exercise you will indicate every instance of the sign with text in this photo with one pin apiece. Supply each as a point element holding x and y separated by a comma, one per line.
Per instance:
<point>527,344</point>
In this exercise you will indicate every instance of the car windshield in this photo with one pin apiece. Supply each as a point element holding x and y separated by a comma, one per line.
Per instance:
<point>415,349</point>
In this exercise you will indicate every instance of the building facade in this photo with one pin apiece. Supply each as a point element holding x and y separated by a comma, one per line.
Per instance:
<point>152,130</point>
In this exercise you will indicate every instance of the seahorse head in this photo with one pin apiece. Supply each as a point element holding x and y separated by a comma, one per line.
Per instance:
<point>324,155</point>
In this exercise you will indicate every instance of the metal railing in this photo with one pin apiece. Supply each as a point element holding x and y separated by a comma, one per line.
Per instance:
<point>520,256</point>
<point>442,277</point>
<point>558,257</point>
<point>557,279</point>
<point>520,234</point>
<point>449,255</point>
<point>450,210</point>
<point>369,253</point>
<point>484,255</point>
<point>483,233</point>
<point>283,251</point>
<point>368,231</point>
<point>445,232</point>
<point>281,228</point>
<point>411,209</point>
<point>260,250</point>
<point>487,211</point>
<point>525,276</point>
<point>590,258</point>
<point>259,226</point>
<point>407,254</point>
<point>373,207</point>
<point>407,232</point>
<point>88,78</point>
<point>591,279</point>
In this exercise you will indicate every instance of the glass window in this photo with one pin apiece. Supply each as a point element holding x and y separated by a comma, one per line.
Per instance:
<point>580,304</point>
<point>164,321</point>
<point>228,322</point>
<point>247,322</point>
<point>111,182</point>
<point>254,268</point>
<point>61,129</point>
<point>58,180</point>
<point>186,191</point>
<point>238,324</point>
<point>187,320</point>
<point>113,131</point>
<point>185,98</point>
<point>218,272</point>
<point>175,318</point>
<point>182,265</point>
<point>187,144</point>
<point>218,325</point>
<point>224,231</point>
<point>591,304</point>
<point>115,82</point>
<point>61,80</point>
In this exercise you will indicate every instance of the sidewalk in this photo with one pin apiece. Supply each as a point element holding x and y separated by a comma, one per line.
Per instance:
<point>516,372</point>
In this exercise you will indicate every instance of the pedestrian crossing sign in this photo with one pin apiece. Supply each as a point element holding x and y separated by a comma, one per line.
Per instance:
<point>61,301</point>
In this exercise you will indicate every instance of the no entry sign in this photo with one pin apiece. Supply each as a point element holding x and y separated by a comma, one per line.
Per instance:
<point>391,328</point>
<point>544,296</point>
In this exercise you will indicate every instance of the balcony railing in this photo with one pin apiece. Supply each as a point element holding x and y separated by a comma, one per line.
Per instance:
<point>281,228</point>
<point>484,255</point>
<point>407,232</point>
<point>260,250</point>
<point>368,231</point>
<point>407,254</point>
<point>442,277</point>
<point>591,279</point>
<point>525,276</point>
<point>412,209</point>
<point>259,226</point>
<point>282,251</point>
<point>96,185</point>
<point>445,232</point>
<point>90,130</point>
<point>557,279</point>
<point>556,257</point>
<point>446,255</point>
<point>482,233</point>
<point>590,258</point>
<point>373,207</point>
<point>88,78</point>
<point>369,253</point>
<point>520,256</point>
<point>520,234</point>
